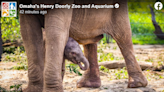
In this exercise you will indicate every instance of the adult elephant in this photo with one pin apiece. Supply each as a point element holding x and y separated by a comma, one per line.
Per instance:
<point>85,26</point>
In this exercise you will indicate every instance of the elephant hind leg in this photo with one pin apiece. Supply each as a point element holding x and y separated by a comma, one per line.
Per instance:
<point>121,33</point>
<point>32,37</point>
<point>136,77</point>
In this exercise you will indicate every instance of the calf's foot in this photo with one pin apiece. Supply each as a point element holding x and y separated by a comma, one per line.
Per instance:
<point>137,80</point>
<point>89,81</point>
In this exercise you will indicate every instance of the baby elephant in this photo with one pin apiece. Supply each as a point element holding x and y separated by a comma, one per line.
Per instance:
<point>74,53</point>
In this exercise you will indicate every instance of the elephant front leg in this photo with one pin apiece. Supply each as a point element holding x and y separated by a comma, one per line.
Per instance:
<point>33,42</point>
<point>57,23</point>
<point>91,77</point>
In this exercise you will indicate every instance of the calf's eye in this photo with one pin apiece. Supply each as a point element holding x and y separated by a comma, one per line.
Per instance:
<point>73,53</point>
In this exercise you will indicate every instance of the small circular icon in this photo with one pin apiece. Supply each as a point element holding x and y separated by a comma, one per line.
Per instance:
<point>116,5</point>
<point>158,5</point>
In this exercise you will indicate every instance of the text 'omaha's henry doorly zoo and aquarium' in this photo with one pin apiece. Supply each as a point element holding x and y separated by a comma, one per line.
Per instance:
<point>43,7</point>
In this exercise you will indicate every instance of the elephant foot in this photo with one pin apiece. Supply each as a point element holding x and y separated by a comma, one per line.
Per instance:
<point>88,81</point>
<point>137,80</point>
<point>32,88</point>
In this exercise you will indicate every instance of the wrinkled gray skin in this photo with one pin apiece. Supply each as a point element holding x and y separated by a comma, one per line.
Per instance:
<point>83,25</point>
<point>74,53</point>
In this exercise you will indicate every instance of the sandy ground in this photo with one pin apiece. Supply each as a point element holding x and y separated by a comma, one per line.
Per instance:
<point>11,77</point>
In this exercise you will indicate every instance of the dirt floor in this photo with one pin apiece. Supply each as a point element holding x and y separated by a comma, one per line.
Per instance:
<point>11,77</point>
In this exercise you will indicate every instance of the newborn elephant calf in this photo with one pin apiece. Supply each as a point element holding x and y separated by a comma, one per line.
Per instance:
<point>74,53</point>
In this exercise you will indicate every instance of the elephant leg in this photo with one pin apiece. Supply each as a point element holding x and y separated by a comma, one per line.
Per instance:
<point>121,33</point>
<point>57,24</point>
<point>33,42</point>
<point>136,77</point>
<point>91,77</point>
<point>119,29</point>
